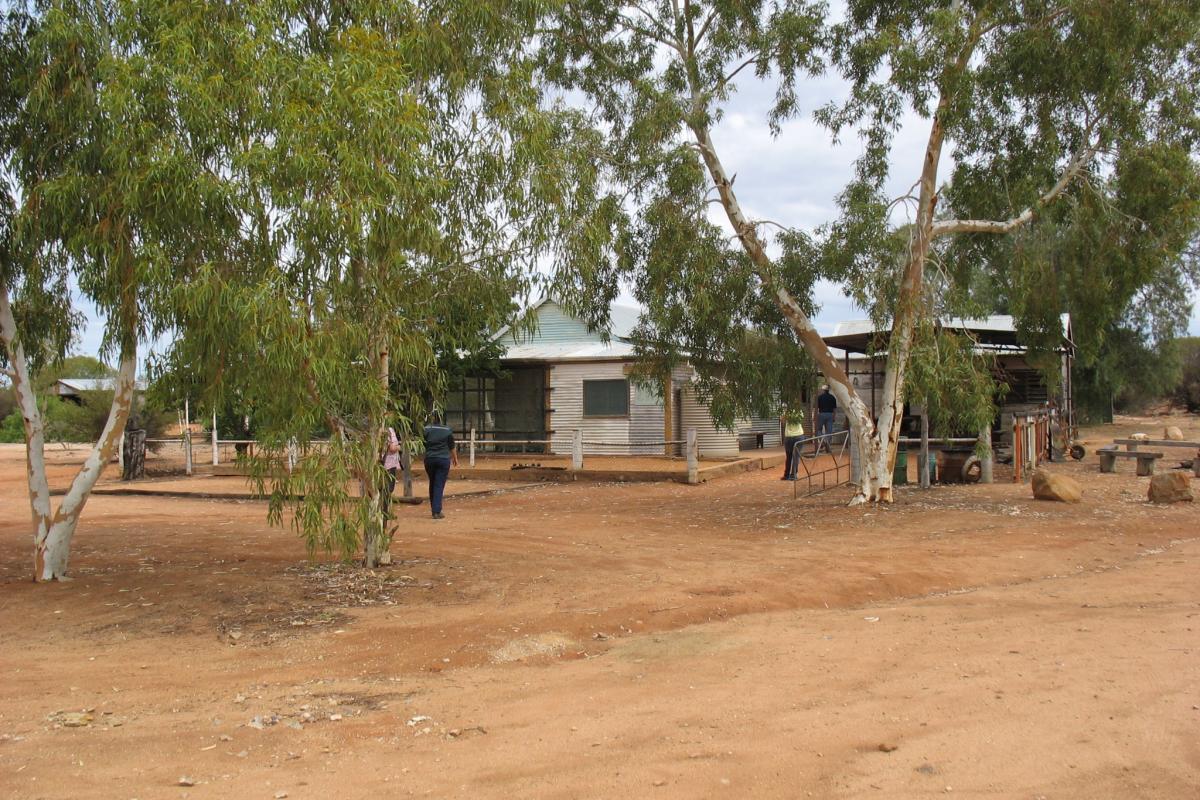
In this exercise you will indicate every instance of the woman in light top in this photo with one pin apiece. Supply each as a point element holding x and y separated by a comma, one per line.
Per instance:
<point>793,435</point>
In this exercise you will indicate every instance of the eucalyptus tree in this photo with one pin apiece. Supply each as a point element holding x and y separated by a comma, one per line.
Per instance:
<point>97,196</point>
<point>1037,100</point>
<point>398,176</point>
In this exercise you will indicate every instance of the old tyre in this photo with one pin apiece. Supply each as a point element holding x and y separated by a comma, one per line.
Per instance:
<point>972,469</point>
<point>1077,452</point>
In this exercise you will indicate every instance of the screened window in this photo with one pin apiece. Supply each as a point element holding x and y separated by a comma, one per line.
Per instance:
<point>606,398</point>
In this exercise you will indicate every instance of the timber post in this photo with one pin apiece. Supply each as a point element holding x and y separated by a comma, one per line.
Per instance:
<point>406,467</point>
<point>577,450</point>
<point>472,451</point>
<point>187,452</point>
<point>215,457</point>
<point>693,460</point>
<point>923,459</point>
<point>669,412</point>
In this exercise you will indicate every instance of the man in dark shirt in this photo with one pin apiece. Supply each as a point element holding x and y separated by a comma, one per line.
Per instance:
<point>826,411</point>
<point>439,456</point>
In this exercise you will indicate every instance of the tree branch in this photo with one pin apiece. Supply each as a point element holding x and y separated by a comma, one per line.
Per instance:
<point>950,226</point>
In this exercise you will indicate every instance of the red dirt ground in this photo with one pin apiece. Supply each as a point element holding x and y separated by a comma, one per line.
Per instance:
<point>604,640</point>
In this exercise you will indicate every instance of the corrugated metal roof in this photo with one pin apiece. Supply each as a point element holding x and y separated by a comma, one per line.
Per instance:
<point>554,342</point>
<point>71,386</point>
<point>569,351</point>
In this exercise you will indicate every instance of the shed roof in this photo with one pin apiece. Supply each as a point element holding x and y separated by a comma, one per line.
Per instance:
<point>995,333</point>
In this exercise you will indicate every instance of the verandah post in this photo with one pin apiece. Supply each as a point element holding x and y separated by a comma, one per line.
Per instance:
<point>187,451</point>
<point>693,465</point>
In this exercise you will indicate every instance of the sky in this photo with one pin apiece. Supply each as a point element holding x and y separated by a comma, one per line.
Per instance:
<point>792,178</point>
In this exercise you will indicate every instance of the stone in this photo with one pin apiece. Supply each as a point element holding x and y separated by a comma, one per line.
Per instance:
<point>1172,433</point>
<point>1171,487</point>
<point>1052,486</point>
<point>184,780</point>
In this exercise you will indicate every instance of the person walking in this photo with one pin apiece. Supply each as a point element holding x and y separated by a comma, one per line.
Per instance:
<point>439,457</point>
<point>826,412</point>
<point>793,435</point>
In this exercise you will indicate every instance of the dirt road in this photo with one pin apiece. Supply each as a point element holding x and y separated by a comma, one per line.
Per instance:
<point>648,640</point>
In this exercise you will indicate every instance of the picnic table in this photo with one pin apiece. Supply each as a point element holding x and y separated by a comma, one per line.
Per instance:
<point>1145,458</point>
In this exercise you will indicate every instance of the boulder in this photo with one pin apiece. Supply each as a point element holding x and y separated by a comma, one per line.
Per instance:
<point>1140,437</point>
<point>1171,487</point>
<point>1052,486</point>
<point>1172,433</point>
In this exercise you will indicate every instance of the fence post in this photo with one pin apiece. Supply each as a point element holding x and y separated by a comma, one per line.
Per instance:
<point>577,450</point>
<point>406,466</point>
<point>693,465</point>
<point>187,452</point>
<point>923,458</point>
<point>215,458</point>
<point>985,468</point>
<point>121,452</point>
<point>472,447</point>
<point>291,455</point>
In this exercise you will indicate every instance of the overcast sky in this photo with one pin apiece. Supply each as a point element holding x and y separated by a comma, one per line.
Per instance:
<point>791,179</point>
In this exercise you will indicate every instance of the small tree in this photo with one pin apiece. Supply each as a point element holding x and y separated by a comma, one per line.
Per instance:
<point>397,178</point>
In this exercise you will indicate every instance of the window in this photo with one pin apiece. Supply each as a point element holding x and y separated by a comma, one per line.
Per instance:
<point>606,398</point>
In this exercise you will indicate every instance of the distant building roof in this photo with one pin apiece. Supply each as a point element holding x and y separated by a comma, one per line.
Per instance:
<point>71,387</point>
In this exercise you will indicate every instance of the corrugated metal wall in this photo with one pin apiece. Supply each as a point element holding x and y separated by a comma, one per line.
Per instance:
<point>767,426</point>
<point>566,398</point>
<point>710,441</point>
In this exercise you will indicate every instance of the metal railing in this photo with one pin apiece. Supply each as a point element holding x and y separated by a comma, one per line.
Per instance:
<point>837,444</point>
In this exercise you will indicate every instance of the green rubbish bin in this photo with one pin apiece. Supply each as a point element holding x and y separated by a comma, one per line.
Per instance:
<point>900,471</point>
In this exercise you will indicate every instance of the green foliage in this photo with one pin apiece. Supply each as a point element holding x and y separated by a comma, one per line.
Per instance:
<point>359,196</point>
<point>12,428</point>
<point>954,381</point>
<point>1187,390</point>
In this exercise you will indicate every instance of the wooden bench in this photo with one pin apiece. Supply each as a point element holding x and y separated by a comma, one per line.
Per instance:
<point>1132,446</point>
<point>1145,459</point>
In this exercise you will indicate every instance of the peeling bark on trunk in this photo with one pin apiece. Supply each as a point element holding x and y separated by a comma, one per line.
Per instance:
<point>875,483</point>
<point>51,553</point>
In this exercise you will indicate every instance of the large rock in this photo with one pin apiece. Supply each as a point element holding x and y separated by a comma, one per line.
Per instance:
<point>1052,486</point>
<point>1172,433</point>
<point>1171,487</point>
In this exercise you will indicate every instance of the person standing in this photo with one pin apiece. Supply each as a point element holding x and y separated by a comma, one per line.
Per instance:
<point>391,465</point>
<point>826,411</point>
<point>793,435</point>
<point>440,455</point>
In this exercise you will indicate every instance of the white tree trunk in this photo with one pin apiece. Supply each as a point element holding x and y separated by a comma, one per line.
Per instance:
<point>52,531</point>
<point>52,552</point>
<point>876,478</point>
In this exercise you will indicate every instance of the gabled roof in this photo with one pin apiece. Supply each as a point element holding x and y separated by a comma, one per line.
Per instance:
<point>590,347</point>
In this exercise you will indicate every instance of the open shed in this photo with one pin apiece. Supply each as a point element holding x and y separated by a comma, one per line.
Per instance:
<point>865,351</point>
